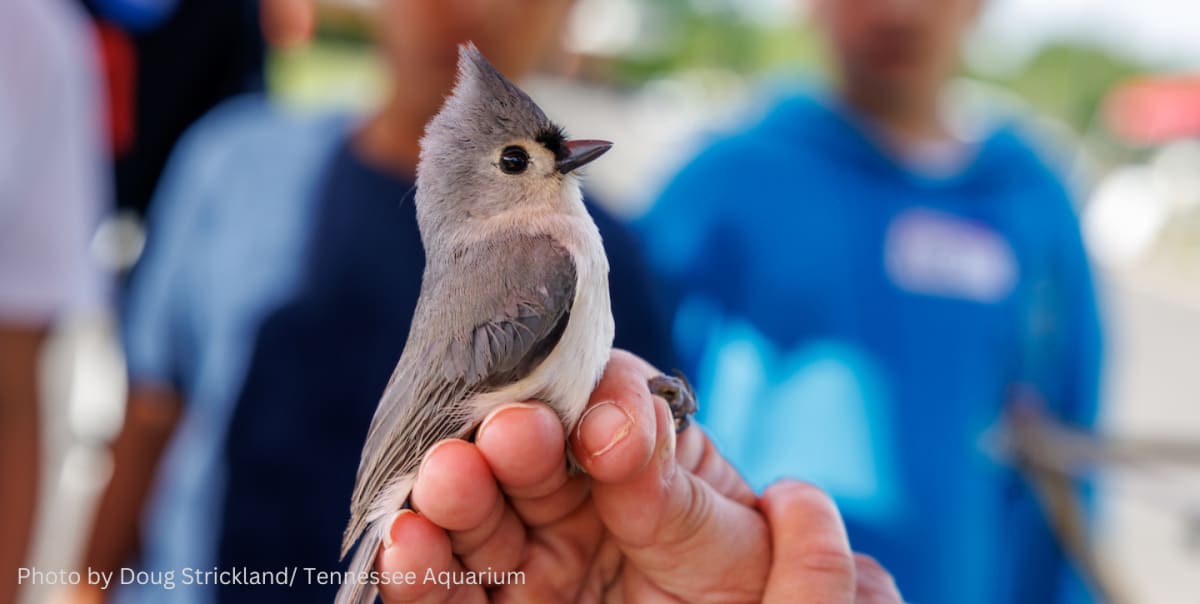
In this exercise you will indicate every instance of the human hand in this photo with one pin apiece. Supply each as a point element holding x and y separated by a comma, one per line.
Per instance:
<point>811,557</point>
<point>658,517</point>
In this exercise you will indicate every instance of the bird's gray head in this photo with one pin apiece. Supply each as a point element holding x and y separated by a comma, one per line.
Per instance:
<point>491,150</point>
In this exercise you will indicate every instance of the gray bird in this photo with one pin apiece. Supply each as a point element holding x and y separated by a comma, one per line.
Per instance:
<point>514,302</point>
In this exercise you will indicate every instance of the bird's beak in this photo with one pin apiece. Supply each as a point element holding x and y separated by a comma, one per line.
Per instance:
<point>580,153</point>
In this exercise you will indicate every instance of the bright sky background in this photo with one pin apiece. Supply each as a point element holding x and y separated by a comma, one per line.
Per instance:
<point>1162,33</point>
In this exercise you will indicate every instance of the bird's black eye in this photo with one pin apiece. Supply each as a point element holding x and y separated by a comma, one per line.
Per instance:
<point>514,160</point>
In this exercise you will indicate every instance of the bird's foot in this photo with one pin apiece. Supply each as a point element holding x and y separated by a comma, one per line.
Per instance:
<point>679,396</point>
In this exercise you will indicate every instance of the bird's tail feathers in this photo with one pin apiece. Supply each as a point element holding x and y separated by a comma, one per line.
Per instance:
<point>358,522</point>
<point>355,588</point>
<point>392,499</point>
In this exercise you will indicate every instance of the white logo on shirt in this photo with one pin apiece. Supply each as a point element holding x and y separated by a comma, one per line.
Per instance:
<point>933,253</point>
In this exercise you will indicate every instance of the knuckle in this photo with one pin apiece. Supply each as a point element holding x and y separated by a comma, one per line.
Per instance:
<point>696,512</point>
<point>789,489</point>
<point>831,563</point>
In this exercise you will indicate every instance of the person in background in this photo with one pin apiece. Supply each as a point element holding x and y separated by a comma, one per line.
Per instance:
<point>168,62</point>
<point>52,192</point>
<point>859,288</point>
<point>274,297</point>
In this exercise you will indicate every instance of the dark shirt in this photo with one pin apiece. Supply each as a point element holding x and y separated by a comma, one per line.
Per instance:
<point>183,58</point>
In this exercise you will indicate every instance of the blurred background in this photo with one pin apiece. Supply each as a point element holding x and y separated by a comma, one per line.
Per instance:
<point>1112,86</point>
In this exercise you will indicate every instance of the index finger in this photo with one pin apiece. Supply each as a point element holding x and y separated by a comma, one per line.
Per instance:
<point>523,444</point>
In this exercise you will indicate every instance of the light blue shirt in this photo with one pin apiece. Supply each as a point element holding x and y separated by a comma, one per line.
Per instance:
<point>227,233</point>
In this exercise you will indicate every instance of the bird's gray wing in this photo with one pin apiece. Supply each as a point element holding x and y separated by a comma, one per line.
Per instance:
<point>486,318</point>
<point>517,309</point>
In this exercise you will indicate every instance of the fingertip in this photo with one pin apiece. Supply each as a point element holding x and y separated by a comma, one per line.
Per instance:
<point>415,545</point>
<point>810,548</point>
<point>625,360</point>
<point>797,507</point>
<point>509,412</point>
<point>602,427</point>
<point>614,439</point>
<point>791,496</point>
<point>391,527</point>
<point>523,445</point>
<point>455,488</point>
<point>411,530</point>
<point>625,378</point>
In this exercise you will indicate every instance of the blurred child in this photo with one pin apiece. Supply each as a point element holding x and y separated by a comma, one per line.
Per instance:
<point>862,287</point>
<point>52,192</point>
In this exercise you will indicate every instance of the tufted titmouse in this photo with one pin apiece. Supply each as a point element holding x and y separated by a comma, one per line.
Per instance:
<point>514,303</point>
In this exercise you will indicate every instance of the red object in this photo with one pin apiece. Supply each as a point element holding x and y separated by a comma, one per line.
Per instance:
<point>119,60</point>
<point>1154,110</point>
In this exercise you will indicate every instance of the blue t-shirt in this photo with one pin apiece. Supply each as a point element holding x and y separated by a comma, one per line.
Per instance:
<point>276,293</point>
<point>857,324</point>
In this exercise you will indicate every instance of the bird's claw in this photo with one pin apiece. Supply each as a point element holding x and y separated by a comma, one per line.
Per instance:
<point>679,396</point>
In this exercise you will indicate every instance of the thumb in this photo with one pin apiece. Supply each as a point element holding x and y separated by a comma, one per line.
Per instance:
<point>666,519</point>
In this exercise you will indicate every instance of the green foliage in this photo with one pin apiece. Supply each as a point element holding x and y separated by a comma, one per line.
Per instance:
<point>1070,82</point>
<point>719,39</point>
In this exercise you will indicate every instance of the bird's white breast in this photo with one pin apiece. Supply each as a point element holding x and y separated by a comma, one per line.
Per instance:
<point>566,378</point>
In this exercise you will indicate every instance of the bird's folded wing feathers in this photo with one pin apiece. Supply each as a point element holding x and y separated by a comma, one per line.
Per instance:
<point>502,307</point>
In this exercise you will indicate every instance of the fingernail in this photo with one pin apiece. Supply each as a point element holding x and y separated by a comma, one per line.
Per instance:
<point>488,420</point>
<point>603,426</point>
<point>390,536</point>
